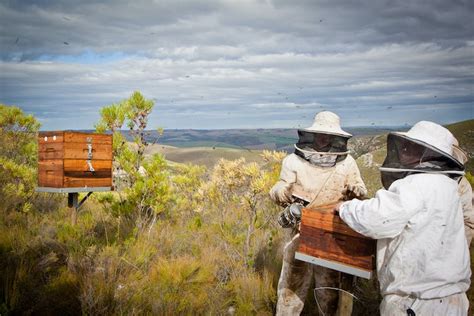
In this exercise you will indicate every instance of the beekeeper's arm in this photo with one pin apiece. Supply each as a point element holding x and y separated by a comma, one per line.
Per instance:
<point>354,186</point>
<point>465,194</point>
<point>385,215</point>
<point>281,191</point>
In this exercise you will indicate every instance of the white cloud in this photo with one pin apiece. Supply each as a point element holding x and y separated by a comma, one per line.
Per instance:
<point>239,64</point>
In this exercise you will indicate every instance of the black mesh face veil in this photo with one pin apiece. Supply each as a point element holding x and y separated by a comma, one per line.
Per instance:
<point>321,142</point>
<point>406,156</point>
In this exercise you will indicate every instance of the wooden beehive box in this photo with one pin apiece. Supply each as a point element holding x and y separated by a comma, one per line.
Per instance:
<point>68,159</point>
<point>327,241</point>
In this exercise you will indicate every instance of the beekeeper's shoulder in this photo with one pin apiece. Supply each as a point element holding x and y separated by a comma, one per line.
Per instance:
<point>291,161</point>
<point>349,159</point>
<point>348,163</point>
<point>427,181</point>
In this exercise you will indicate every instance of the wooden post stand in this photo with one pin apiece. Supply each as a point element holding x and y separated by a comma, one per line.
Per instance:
<point>346,302</point>
<point>73,197</point>
<point>72,203</point>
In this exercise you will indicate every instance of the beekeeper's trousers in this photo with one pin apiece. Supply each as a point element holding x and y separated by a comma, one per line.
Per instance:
<point>295,280</point>
<point>453,305</point>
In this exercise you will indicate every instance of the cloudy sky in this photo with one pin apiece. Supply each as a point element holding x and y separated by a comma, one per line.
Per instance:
<point>240,64</point>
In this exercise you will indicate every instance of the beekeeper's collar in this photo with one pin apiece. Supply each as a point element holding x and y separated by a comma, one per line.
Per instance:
<point>312,151</point>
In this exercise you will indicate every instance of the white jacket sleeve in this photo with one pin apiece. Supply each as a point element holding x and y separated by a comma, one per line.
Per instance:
<point>385,215</point>
<point>281,191</point>
<point>465,194</point>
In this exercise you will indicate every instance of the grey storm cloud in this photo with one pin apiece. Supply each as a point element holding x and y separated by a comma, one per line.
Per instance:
<point>240,63</point>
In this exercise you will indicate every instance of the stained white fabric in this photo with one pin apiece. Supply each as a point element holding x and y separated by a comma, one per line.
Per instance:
<point>465,194</point>
<point>394,305</point>
<point>421,246</point>
<point>321,186</point>
<point>295,280</point>
<point>310,181</point>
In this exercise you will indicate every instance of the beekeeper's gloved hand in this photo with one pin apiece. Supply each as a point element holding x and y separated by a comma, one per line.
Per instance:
<point>281,193</point>
<point>287,197</point>
<point>353,192</point>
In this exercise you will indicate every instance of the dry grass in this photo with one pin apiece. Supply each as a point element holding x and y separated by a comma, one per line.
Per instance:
<point>200,254</point>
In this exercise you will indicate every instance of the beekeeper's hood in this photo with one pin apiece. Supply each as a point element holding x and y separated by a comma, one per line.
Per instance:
<point>426,148</point>
<point>458,153</point>
<point>327,122</point>
<point>324,142</point>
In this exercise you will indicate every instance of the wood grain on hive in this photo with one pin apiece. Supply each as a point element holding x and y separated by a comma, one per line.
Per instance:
<point>326,240</point>
<point>69,159</point>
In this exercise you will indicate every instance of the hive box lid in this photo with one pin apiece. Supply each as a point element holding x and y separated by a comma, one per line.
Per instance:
<point>69,136</point>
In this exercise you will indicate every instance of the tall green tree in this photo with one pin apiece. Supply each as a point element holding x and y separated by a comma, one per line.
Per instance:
<point>18,157</point>
<point>138,110</point>
<point>143,185</point>
<point>18,135</point>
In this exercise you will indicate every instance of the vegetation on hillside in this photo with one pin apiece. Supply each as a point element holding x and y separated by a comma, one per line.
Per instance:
<point>175,238</point>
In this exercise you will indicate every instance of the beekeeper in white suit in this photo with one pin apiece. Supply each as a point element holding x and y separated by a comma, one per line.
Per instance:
<point>320,171</point>
<point>422,254</point>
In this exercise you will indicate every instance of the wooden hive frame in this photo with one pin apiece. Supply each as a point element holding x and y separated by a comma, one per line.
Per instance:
<point>327,241</point>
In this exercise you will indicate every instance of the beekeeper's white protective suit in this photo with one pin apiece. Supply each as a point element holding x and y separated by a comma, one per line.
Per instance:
<point>465,192</point>
<point>319,184</point>
<point>422,253</point>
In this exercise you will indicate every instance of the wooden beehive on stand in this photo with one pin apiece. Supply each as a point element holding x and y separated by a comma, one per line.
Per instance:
<point>74,161</point>
<point>326,240</point>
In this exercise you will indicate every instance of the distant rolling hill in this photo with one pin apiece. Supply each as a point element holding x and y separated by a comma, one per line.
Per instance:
<point>248,139</point>
<point>198,150</point>
<point>206,147</point>
<point>207,156</point>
